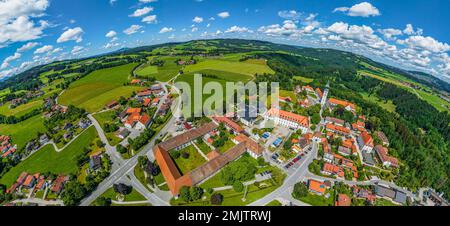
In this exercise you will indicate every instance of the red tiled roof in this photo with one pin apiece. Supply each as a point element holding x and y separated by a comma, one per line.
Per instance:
<point>134,110</point>
<point>28,180</point>
<point>342,103</point>
<point>367,139</point>
<point>145,119</point>
<point>230,123</point>
<point>302,120</point>
<point>343,200</point>
<point>338,129</point>
<point>317,186</point>
<point>147,101</point>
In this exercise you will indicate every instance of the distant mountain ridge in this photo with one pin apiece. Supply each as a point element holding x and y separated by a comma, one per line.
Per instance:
<point>223,46</point>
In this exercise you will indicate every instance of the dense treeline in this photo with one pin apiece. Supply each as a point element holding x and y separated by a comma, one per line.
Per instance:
<point>418,133</point>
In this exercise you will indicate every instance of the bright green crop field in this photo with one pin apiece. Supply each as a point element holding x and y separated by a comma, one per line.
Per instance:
<point>24,131</point>
<point>48,160</point>
<point>99,88</point>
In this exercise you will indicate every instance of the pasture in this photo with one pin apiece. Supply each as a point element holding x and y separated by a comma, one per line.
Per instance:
<point>24,131</point>
<point>249,69</point>
<point>99,88</point>
<point>48,160</point>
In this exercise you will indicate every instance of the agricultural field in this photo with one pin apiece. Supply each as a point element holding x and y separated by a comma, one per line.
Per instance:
<point>99,88</point>
<point>24,131</point>
<point>249,69</point>
<point>22,109</point>
<point>48,160</point>
<point>168,71</point>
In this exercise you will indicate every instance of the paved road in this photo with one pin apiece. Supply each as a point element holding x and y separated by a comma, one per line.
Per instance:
<point>128,166</point>
<point>116,158</point>
<point>292,179</point>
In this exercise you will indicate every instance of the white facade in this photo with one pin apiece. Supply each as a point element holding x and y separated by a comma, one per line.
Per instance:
<point>286,123</point>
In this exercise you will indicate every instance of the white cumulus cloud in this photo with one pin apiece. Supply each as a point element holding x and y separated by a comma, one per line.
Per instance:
<point>71,34</point>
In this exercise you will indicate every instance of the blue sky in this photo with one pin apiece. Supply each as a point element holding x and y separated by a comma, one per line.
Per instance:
<point>411,34</point>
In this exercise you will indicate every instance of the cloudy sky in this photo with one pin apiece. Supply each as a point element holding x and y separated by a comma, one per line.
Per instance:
<point>413,34</point>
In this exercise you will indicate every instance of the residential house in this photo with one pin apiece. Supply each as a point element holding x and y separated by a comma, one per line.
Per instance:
<point>123,133</point>
<point>365,142</point>
<point>347,105</point>
<point>95,162</point>
<point>382,137</point>
<point>317,187</point>
<point>344,131</point>
<point>112,104</point>
<point>385,159</point>
<point>335,121</point>
<point>58,184</point>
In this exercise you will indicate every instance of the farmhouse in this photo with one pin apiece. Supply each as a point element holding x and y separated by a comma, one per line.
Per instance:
<point>288,119</point>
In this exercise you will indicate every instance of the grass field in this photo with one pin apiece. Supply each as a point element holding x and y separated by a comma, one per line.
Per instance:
<point>317,200</point>
<point>108,117</point>
<point>389,106</point>
<point>147,70</point>
<point>168,71</point>
<point>249,69</point>
<point>48,160</point>
<point>303,79</point>
<point>195,160</point>
<point>99,88</point>
<point>133,196</point>
<point>24,131</point>
<point>22,109</point>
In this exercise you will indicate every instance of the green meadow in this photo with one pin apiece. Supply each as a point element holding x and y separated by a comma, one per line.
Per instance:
<point>99,88</point>
<point>24,131</point>
<point>249,69</point>
<point>48,160</point>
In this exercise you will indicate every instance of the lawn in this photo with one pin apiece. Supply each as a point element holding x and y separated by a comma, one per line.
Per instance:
<point>228,145</point>
<point>317,200</point>
<point>24,131</point>
<point>203,147</point>
<point>249,69</point>
<point>384,202</point>
<point>133,196</point>
<point>194,161</point>
<point>48,160</point>
<point>274,203</point>
<point>99,88</point>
